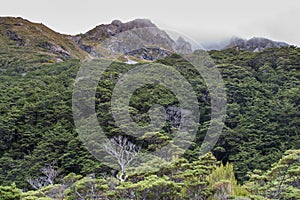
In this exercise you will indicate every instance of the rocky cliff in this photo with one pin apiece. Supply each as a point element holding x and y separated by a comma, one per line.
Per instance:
<point>134,36</point>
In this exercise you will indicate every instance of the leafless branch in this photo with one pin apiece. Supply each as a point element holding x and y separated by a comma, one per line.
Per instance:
<point>48,179</point>
<point>123,151</point>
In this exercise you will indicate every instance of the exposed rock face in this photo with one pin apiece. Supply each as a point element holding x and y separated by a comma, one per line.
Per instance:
<point>173,115</point>
<point>254,44</point>
<point>176,117</point>
<point>116,27</point>
<point>15,37</point>
<point>133,37</point>
<point>149,53</point>
<point>182,46</point>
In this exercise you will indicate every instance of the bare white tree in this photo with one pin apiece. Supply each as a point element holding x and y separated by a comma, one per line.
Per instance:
<point>36,183</point>
<point>123,151</point>
<point>50,173</point>
<point>48,179</point>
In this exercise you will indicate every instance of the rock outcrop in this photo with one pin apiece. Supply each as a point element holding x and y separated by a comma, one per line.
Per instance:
<point>182,46</point>
<point>149,53</point>
<point>132,37</point>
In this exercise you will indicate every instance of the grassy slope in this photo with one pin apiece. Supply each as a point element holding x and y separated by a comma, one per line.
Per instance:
<point>28,41</point>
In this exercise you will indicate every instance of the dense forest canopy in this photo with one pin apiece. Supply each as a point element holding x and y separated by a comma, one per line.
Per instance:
<point>262,123</point>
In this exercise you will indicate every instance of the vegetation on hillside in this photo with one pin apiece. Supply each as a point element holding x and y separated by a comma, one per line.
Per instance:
<point>21,36</point>
<point>257,155</point>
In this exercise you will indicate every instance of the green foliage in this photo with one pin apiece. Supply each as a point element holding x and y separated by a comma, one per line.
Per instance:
<point>45,193</point>
<point>88,188</point>
<point>263,110</point>
<point>203,178</point>
<point>179,179</point>
<point>10,192</point>
<point>152,187</point>
<point>37,128</point>
<point>279,182</point>
<point>223,182</point>
<point>36,123</point>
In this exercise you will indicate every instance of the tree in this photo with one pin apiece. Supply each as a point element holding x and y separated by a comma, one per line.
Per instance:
<point>224,184</point>
<point>152,187</point>
<point>282,181</point>
<point>50,173</point>
<point>10,192</point>
<point>88,188</point>
<point>123,151</point>
<point>194,176</point>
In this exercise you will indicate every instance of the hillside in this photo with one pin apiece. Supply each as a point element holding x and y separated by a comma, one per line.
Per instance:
<point>38,136</point>
<point>26,46</point>
<point>23,33</point>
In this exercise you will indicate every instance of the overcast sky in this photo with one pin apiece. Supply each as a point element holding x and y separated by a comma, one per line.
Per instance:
<point>201,20</point>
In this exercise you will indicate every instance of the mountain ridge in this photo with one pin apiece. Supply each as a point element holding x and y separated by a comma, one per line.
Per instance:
<point>109,40</point>
<point>128,37</point>
<point>254,44</point>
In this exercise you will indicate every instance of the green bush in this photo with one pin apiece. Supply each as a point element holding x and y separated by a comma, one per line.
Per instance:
<point>10,192</point>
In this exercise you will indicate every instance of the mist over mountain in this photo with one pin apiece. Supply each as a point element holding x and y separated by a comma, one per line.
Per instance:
<point>255,44</point>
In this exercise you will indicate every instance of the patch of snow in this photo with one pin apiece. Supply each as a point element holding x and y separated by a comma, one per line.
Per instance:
<point>59,60</point>
<point>130,62</point>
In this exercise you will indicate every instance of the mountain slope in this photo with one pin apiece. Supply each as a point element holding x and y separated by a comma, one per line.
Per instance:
<point>37,37</point>
<point>36,121</point>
